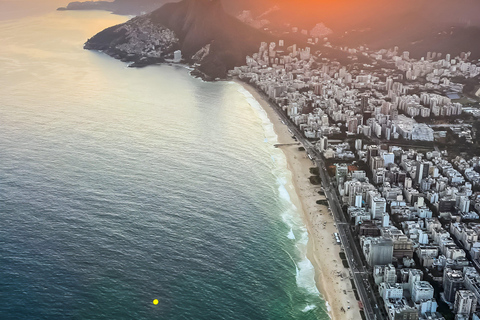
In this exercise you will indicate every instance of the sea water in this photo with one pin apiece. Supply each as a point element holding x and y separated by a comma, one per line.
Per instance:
<point>119,186</point>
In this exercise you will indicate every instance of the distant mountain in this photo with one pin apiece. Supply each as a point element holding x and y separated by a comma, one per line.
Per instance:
<point>125,7</point>
<point>208,34</point>
<point>201,29</point>
<point>137,7</point>
<point>416,25</point>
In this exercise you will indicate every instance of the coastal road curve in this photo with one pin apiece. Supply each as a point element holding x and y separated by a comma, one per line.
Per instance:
<point>359,272</point>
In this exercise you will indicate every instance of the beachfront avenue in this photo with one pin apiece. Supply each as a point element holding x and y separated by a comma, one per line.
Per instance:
<point>397,154</point>
<point>359,271</point>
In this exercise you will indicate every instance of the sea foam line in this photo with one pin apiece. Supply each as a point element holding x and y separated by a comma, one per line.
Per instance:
<point>309,307</point>
<point>305,272</point>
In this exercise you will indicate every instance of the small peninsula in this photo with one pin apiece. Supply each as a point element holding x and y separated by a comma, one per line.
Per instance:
<point>208,38</point>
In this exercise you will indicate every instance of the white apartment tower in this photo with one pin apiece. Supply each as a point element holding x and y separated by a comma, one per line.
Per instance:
<point>465,302</point>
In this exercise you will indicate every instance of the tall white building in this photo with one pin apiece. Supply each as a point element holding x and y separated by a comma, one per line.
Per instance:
<point>390,274</point>
<point>423,169</point>
<point>379,206</point>
<point>464,204</point>
<point>323,143</point>
<point>388,158</point>
<point>465,302</point>
<point>177,56</point>
<point>390,291</point>
<point>422,290</point>
<point>414,276</point>
<point>358,144</point>
<point>385,219</point>
<point>378,251</point>
<point>358,200</point>
<point>425,306</point>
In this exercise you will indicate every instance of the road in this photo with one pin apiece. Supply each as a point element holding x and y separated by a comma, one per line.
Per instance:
<point>359,271</point>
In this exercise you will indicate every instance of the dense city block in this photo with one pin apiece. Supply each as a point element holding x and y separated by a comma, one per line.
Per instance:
<point>388,129</point>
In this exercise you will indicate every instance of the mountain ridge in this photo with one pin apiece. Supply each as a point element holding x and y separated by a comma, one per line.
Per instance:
<point>196,25</point>
<point>122,7</point>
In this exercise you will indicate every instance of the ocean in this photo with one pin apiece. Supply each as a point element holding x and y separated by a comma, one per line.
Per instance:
<point>119,186</point>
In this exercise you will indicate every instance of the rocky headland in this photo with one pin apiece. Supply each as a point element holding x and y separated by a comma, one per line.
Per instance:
<point>209,38</point>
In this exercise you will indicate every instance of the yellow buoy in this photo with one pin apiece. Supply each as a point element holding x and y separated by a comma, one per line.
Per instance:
<point>155,302</point>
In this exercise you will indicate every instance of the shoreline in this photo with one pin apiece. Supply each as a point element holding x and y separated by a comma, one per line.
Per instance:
<point>331,277</point>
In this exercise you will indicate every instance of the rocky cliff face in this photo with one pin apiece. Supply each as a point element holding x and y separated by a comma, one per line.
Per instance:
<point>201,29</point>
<point>139,41</point>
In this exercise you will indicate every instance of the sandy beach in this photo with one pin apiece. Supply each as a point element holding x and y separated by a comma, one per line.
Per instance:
<point>332,279</point>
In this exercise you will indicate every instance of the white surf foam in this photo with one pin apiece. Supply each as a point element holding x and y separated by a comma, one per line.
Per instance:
<point>309,307</point>
<point>304,270</point>
<point>291,236</point>
<point>306,276</point>
<point>328,307</point>
<point>283,193</point>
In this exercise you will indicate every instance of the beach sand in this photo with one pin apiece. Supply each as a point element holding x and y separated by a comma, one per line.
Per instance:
<point>332,279</point>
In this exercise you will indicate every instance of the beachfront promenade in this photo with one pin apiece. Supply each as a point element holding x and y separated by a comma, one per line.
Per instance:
<point>357,268</point>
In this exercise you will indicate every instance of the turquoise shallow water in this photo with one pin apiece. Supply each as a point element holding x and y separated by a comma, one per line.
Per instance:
<point>119,186</point>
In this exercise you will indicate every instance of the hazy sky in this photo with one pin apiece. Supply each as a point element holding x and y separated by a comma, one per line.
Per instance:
<point>344,12</point>
<point>11,9</point>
